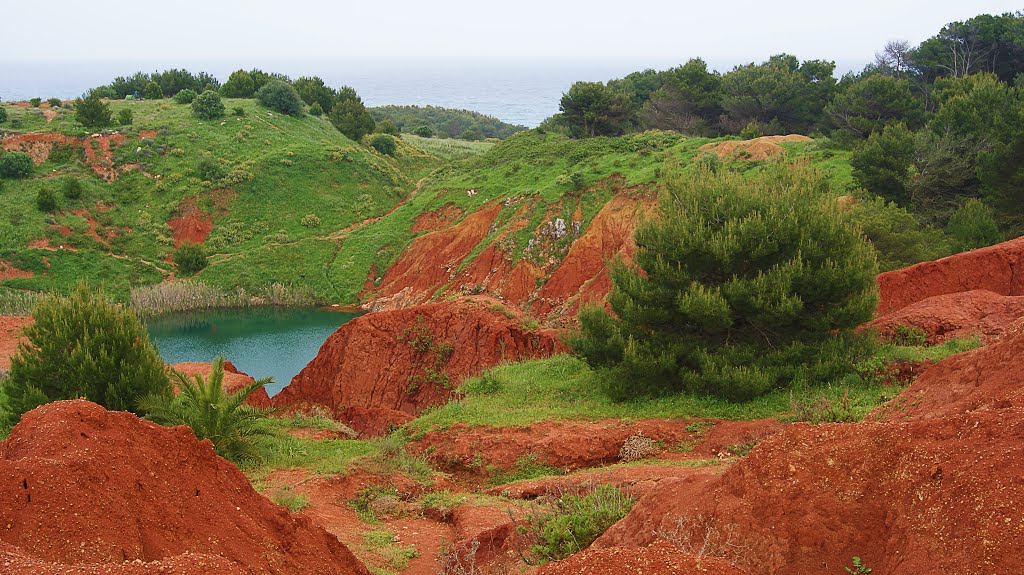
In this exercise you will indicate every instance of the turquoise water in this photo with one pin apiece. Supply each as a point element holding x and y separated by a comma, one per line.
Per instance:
<point>262,342</point>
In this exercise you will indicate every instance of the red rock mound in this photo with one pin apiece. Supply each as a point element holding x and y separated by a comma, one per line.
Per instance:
<point>928,496</point>
<point>955,315</point>
<point>233,379</point>
<point>83,485</point>
<point>408,360</point>
<point>979,380</point>
<point>97,148</point>
<point>657,559</point>
<point>998,269</point>
<point>756,149</point>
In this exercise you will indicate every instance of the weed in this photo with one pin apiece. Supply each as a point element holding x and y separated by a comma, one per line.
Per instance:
<point>702,536</point>
<point>526,467</point>
<point>858,568</point>
<point>440,504</point>
<point>909,336</point>
<point>385,544</point>
<point>289,498</point>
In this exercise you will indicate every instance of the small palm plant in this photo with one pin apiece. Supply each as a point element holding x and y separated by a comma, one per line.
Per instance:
<point>212,412</point>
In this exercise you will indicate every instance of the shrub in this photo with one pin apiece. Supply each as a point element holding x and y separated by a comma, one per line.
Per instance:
<point>384,144</point>
<point>882,163</point>
<point>740,285</point>
<point>209,169</point>
<point>190,258</point>
<point>208,106</point>
<point>54,102</point>
<point>240,84</point>
<point>351,118</point>
<point>909,336</point>
<point>36,102</point>
<point>973,225</point>
<point>83,346</point>
<point>289,498</point>
<point>238,111</point>
<point>125,117</point>
<point>92,112</point>
<point>386,127</point>
<point>315,109</point>
<point>310,221</point>
<point>281,96</point>
<point>3,114</point>
<point>72,188</point>
<point>185,96</point>
<point>423,131</point>
<point>16,165</point>
<point>152,91</point>
<point>46,200</point>
<point>572,522</point>
<point>211,412</point>
<point>899,238</point>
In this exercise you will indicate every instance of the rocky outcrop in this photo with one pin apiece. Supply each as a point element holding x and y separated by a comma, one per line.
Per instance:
<point>955,315</point>
<point>233,379</point>
<point>80,485</point>
<point>408,360</point>
<point>998,269</point>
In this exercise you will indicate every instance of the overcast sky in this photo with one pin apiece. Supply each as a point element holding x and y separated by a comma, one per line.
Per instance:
<point>638,32</point>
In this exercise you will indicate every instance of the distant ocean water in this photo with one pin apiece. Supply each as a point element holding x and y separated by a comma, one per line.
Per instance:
<point>515,93</point>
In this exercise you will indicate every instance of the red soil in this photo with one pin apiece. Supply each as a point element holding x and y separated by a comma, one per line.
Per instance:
<point>10,335</point>
<point>657,559</point>
<point>193,225</point>
<point>440,218</point>
<point>928,496</point>
<point>233,380</point>
<point>17,563</point>
<point>757,149</point>
<point>638,480</point>
<point>97,148</point>
<point>469,450</point>
<point>980,380</point>
<point>394,360</point>
<point>998,269</point>
<point>80,484</point>
<point>955,315</point>
<point>143,134</point>
<point>8,271</point>
<point>430,261</point>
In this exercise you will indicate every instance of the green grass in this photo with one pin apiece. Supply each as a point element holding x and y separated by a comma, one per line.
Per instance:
<point>449,149</point>
<point>394,556</point>
<point>323,457</point>
<point>564,387</point>
<point>289,498</point>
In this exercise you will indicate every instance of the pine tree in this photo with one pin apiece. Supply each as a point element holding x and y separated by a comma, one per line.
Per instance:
<point>738,286</point>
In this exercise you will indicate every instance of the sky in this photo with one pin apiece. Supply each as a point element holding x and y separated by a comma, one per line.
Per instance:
<point>639,33</point>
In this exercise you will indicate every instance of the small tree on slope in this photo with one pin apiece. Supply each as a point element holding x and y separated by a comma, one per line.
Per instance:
<point>737,287</point>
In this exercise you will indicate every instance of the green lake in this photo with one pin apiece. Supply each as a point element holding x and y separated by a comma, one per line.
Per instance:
<point>263,342</point>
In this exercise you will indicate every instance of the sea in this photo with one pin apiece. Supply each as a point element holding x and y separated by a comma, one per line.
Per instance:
<point>517,93</point>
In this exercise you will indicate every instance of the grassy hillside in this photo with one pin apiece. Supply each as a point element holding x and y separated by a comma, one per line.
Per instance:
<point>255,175</point>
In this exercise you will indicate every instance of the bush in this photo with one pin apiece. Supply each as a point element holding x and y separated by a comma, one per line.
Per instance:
<point>211,412</point>
<point>973,225</point>
<point>315,109</point>
<point>83,346</point>
<point>310,221</point>
<point>741,285</point>
<point>423,131</point>
<point>16,165</point>
<point>72,188</point>
<point>36,102</point>
<point>899,238</point>
<point>572,522</point>
<point>46,200</point>
<point>54,102</point>
<point>209,169</point>
<point>351,118</point>
<point>280,96</point>
<point>882,163</point>
<point>240,84</point>
<point>185,96</point>
<point>384,144</point>
<point>386,127</point>
<point>238,111</point>
<point>3,114</point>
<point>190,259</point>
<point>208,106</point>
<point>92,112</point>
<point>125,117</point>
<point>152,91</point>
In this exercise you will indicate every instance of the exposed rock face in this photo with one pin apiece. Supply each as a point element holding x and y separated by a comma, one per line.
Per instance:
<point>934,488</point>
<point>80,485</point>
<point>955,315</point>
<point>998,269</point>
<point>233,379</point>
<point>10,335</point>
<point>408,360</point>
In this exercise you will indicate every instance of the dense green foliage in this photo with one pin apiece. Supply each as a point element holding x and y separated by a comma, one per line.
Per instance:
<point>185,96</point>
<point>153,91</point>
<point>46,200</point>
<point>208,106</point>
<point>83,346</point>
<point>170,83</point>
<point>190,259</point>
<point>280,96</point>
<point>211,412</point>
<point>973,225</point>
<point>125,117</point>
<point>3,115</point>
<point>92,112</point>
<point>239,85</point>
<point>350,116</point>
<point>572,522</point>
<point>745,285</point>
<point>72,188</point>
<point>313,90</point>
<point>384,144</point>
<point>16,165</point>
<point>447,121</point>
